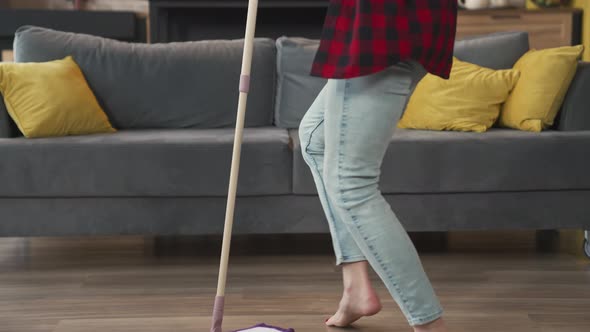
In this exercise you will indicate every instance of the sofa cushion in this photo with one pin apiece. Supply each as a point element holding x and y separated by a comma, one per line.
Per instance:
<point>574,114</point>
<point>175,85</point>
<point>51,99</point>
<point>470,100</point>
<point>545,77</point>
<point>170,162</point>
<point>5,125</point>
<point>498,50</point>
<point>421,161</point>
<point>296,89</point>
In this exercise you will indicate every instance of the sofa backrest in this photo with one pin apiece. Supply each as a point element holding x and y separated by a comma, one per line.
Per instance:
<point>174,85</point>
<point>194,84</point>
<point>296,89</point>
<point>5,121</point>
<point>575,111</point>
<point>498,50</point>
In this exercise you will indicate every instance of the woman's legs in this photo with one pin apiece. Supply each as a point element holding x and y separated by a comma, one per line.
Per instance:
<point>359,117</point>
<point>359,298</point>
<point>311,135</point>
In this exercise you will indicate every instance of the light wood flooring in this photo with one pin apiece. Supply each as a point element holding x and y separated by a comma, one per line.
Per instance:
<point>116,284</point>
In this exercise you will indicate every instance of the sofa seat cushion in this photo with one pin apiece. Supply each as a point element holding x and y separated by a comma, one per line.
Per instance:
<point>182,162</point>
<point>421,161</point>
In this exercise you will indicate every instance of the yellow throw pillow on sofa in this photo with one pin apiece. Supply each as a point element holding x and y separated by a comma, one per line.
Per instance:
<point>545,78</point>
<point>469,100</point>
<point>51,99</point>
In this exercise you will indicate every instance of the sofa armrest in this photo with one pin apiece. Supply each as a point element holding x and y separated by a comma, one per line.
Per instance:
<point>5,121</point>
<point>575,111</point>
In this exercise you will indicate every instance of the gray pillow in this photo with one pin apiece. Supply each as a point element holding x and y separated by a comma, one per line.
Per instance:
<point>497,51</point>
<point>175,85</point>
<point>296,89</point>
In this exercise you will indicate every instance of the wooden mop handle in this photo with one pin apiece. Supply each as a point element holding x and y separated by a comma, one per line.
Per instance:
<point>235,165</point>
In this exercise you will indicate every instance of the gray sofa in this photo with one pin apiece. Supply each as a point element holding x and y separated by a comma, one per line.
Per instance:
<point>166,170</point>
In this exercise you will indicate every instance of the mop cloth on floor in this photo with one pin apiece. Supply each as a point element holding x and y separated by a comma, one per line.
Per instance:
<point>264,328</point>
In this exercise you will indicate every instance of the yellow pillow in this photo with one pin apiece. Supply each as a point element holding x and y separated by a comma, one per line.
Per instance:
<point>545,77</point>
<point>51,99</point>
<point>468,101</point>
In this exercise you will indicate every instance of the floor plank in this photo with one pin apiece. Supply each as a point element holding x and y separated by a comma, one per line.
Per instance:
<point>126,284</point>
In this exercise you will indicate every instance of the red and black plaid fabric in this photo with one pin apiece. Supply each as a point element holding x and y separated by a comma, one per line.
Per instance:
<point>361,37</point>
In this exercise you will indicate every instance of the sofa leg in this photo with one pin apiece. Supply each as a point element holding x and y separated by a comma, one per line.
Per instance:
<point>547,240</point>
<point>587,243</point>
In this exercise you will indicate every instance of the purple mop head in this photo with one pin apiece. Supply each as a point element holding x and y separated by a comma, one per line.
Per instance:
<point>264,328</point>
<point>218,318</point>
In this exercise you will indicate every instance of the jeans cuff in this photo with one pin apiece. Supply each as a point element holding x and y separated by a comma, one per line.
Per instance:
<point>349,259</point>
<point>425,319</point>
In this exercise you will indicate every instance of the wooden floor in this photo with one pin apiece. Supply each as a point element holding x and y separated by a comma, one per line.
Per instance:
<point>115,284</point>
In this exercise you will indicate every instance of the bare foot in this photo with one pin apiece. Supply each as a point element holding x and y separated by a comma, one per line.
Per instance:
<point>356,302</point>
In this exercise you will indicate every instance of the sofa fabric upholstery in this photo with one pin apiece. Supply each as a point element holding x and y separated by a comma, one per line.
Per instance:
<point>176,85</point>
<point>288,214</point>
<point>421,162</point>
<point>296,89</point>
<point>5,125</point>
<point>166,172</point>
<point>497,50</point>
<point>166,163</point>
<point>575,111</point>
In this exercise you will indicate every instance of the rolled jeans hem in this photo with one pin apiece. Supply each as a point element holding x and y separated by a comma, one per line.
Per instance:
<point>425,319</point>
<point>350,259</point>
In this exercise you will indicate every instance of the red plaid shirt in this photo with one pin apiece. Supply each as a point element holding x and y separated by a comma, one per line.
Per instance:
<point>361,37</point>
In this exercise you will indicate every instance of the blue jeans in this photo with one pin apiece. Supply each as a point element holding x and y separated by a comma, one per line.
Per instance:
<point>344,136</point>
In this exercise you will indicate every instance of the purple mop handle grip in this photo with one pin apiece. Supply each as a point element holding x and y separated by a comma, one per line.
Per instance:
<point>217,314</point>
<point>245,83</point>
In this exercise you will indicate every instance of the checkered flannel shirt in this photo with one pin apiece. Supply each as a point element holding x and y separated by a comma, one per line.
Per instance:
<point>361,37</point>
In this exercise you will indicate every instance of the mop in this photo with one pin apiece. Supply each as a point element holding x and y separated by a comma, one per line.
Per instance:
<point>235,165</point>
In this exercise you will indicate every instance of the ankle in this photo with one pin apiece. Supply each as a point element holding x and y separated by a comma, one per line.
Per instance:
<point>358,287</point>
<point>356,272</point>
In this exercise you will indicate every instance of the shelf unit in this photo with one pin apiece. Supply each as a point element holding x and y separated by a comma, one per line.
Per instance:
<point>182,20</point>
<point>125,26</point>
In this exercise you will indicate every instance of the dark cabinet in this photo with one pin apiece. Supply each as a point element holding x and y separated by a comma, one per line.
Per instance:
<point>181,20</point>
<point>124,26</point>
